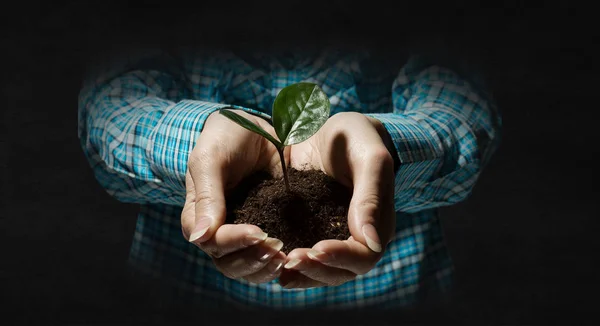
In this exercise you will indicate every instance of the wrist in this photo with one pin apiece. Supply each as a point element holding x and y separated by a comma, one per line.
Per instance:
<point>387,141</point>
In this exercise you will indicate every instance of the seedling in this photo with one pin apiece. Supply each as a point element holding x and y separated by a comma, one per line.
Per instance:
<point>299,111</point>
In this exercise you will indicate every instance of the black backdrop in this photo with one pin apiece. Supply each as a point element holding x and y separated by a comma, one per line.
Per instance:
<point>523,244</point>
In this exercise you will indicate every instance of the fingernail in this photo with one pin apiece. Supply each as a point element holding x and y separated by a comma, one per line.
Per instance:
<point>274,246</point>
<point>292,263</point>
<point>290,285</point>
<point>372,238</point>
<point>200,229</point>
<point>254,238</point>
<point>275,265</point>
<point>317,255</point>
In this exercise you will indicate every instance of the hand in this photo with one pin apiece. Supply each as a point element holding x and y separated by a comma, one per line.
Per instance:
<point>224,154</point>
<point>351,149</point>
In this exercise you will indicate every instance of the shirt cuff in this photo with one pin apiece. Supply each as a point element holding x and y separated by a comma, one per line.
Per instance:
<point>419,154</point>
<point>413,140</point>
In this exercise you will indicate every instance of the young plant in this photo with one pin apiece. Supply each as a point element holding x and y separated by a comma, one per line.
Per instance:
<point>299,111</point>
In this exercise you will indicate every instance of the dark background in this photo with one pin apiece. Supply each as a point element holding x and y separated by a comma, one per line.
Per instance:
<point>524,246</point>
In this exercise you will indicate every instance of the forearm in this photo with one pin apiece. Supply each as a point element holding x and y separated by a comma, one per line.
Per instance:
<point>138,124</point>
<point>443,131</point>
<point>137,136</point>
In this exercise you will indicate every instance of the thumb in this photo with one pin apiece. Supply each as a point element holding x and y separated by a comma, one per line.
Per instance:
<point>363,215</point>
<point>209,201</point>
<point>368,208</point>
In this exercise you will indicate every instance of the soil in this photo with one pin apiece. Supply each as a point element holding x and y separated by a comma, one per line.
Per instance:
<point>315,210</point>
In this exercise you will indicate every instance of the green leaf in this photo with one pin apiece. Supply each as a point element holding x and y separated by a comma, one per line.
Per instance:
<point>249,125</point>
<point>299,111</point>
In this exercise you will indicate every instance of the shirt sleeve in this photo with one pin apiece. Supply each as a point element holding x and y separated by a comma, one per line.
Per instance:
<point>138,125</point>
<point>444,127</point>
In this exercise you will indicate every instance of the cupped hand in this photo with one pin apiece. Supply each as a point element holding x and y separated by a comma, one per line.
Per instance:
<point>224,154</point>
<point>349,147</point>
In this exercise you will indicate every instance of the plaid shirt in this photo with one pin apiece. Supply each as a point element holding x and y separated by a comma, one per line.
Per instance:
<point>139,118</point>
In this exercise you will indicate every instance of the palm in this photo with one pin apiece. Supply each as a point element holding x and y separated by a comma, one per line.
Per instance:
<point>246,152</point>
<point>223,156</point>
<point>349,149</point>
<point>305,156</point>
<point>322,153</point>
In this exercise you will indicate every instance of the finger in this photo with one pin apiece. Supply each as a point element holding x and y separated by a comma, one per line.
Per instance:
<point>299,260</point>
<point>232,237</point>
<point>294,280</point>
<point>369,216</point>
<point>349,255</point>
<point>188,213</point>
<point>270,272</point>
<point>207,178</point>
<point>248,261</point>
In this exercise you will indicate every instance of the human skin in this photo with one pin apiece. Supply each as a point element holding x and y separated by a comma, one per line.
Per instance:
<point>350,147</point>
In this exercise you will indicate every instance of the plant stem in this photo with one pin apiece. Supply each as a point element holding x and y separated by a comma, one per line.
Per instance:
<point>285,172</point>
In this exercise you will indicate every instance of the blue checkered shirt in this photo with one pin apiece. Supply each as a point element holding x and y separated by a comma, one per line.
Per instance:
<point>141,114</point>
